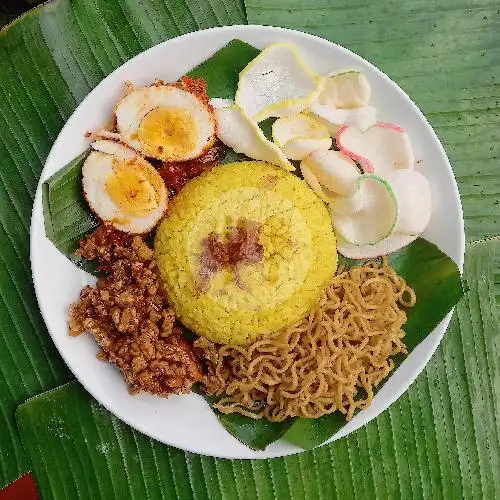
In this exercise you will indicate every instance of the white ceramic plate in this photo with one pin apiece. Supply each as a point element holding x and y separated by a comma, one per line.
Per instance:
<point>186,421</point>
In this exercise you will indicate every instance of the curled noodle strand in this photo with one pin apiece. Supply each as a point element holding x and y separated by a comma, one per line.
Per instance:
<point>331,360</point>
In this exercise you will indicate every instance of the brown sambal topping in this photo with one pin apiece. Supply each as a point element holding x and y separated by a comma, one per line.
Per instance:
<point>238,246</point>
<point>196,86</point>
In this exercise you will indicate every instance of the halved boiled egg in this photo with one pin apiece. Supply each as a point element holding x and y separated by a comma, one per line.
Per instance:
<point>165,122</point>
<point>122,188</point>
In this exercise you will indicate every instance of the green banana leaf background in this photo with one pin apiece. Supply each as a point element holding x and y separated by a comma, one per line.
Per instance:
<point>441,439</point>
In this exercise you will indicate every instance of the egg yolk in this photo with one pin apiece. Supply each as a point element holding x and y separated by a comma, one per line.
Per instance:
<point>168,133</point>
<point>134,187</point>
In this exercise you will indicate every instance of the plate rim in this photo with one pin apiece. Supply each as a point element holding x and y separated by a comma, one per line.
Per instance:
<point>393,397</point>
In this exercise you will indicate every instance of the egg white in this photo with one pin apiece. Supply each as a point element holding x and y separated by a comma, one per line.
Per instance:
<point>114,148</point>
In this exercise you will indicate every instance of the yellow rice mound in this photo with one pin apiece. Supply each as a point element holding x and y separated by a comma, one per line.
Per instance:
<point>291,252</point>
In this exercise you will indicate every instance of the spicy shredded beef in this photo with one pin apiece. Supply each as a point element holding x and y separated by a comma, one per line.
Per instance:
<point>128,315</point>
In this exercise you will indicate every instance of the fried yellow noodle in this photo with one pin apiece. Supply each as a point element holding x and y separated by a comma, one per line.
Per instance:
<point>329,361</point>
